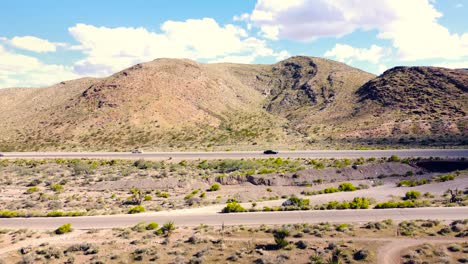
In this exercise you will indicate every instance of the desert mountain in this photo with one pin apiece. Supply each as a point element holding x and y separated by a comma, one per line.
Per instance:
<point>301,102</point>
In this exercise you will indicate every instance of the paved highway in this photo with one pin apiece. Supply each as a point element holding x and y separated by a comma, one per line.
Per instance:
<point>406,153</point>
<point>187,218</point>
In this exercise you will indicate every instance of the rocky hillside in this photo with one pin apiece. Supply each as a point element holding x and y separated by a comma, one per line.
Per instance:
<point>411,103</point>
<point>302,102</point>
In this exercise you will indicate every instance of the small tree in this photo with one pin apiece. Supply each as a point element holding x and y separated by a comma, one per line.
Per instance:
<point>168,228</point>
<point>280,237</point>
<point>137,196</point>
<point>454,195</point>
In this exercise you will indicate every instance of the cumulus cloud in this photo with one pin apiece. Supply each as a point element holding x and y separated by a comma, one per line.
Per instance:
<point>34,44</point>
<point>26,71</point>
<point>343,52</point>
<point>411,26</point>
<point>112,49</point>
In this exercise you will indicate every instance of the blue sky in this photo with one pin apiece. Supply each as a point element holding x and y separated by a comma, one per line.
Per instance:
<point>47,41</point>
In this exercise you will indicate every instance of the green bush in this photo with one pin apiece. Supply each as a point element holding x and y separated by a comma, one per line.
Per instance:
<point>162,194</point>
<point>356,203</point>
<point>167,228</point>
<point>412,195</point>
<point>9,214</point>
<point>359,203</point>
<point>296,201</point>
<point>347,187</point>
<point>233,207</point>
<point>280,237</point>
<point>402,204</point>
<point>412,183</point>
<point>32,190</point>
<point>66,228</point>
<point>152,226</point>
<point>331,190</point>
<point>136,209</point>
<point>143,164</point>
<point>444,178</point>
<point>148,198</point>
<point>56,187</point>
<point>394,158</point>
<point>342,227</point>
<point>215,187</point>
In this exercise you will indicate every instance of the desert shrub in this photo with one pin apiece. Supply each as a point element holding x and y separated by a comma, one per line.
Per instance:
<point>136,209</point>
<point>280,237</point>
<point>444,178</point>
<point>402,204</point>
<point>296,201</point>
<point>331,190</point>
<point>412,183</point>
<point>80,167</point>
<point>407,228</point>
<point>394,158</point>
<point>342,227</point>
<point>190,195</point>
<point>32,190</point>
<point>66,228</point>
<point>362,254</point>
<point>356,203</point>
<point>168,228</point>
<point>56,187</point>
<point>34,183</point>
<point>152,226</point>
<point>347,187</point>
<point>162,194</point>
<point>269,190</point>
<point>148,198</point>
<point>9,214</point>
<point>454,248</point>
<point>266,171</point>
<point>359,203</point>
<point>233,207</point>
<point>412,195</point>
<point>137,197</point>
<point>319,166</point>
<point>143,164</point>
<point>215,187</point>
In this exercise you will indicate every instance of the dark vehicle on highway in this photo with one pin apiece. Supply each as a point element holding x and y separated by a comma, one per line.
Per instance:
<point>270,152</point>
<point>1,155</point>
<point>136,151</point>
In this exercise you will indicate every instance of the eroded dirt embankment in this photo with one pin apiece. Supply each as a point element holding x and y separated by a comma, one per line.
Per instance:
<point>309,176</point>
<point>371,171</point>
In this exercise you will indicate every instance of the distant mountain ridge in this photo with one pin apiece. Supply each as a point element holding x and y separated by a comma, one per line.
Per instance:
<point>178,104</point>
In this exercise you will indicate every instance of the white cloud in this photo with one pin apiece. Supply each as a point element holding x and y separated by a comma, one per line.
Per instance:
<point>112,49</point>
<point>25,71</point>
<point>33,44</point>
<point>411,26</point>
<point>234,59</point>
<point>453,64</point>
<point>381,68</point>
<point>343,53</point>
